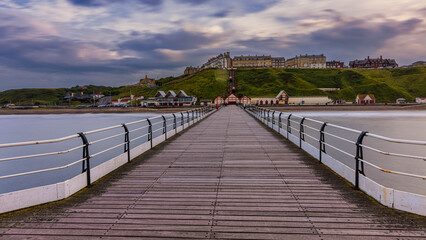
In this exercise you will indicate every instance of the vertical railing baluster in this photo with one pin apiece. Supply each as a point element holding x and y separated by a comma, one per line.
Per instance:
<point>288,125</point>
<point>273,119</point>
<point>149,131</point>
<point>359,155</point>
<point>126,141</point>
<point>301,132</point>
<point>174,123</point>
<point>280,123</point>
<point>321,141</point>
<point>182,121</point>
<point>86,156</point>
<point>164,127</point>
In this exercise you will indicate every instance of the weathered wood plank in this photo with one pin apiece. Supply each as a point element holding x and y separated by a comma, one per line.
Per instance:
<point>225,178</point>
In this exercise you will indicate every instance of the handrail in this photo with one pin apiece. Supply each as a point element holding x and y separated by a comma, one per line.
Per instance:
<point>258,112</point>
<point>197,114</point>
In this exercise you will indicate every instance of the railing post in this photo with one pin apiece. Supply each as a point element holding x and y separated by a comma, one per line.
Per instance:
<point>321,141</point>
<point>149,131</point>
<point>182,123</point>
<point>86,156</point>
<point>280,123</point>
<point>273,118</point>
<point>187,117</point>
<point>126,141</point>
<point>164,127</point>
<point>359,155</point>
<point>288,125</point>
<point>301,132</point>
<point>174,121</point>
<point>192,115</point>
<point>268,119</point>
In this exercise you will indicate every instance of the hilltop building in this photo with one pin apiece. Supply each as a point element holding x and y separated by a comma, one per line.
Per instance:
<point>373,63</point>
<point>78,96</point>
<point>306,61</point>
<point>149,82</point>
<point>191,70</point>
<point>418,64</point>
<point>278,62</point>
<point>415,64</point>
<point>335,64</point>
<point>221,61</point>
<point>252,61</point>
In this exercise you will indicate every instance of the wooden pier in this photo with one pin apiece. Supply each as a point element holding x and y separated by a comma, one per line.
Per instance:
<point>228,177</point>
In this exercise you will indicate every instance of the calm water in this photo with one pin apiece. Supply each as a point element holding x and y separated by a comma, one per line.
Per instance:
<point>16,128</point>
<point>396,124</point>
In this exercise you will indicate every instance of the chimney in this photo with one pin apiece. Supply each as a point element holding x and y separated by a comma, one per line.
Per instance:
<point>381,58</point>
<point>368,58</point>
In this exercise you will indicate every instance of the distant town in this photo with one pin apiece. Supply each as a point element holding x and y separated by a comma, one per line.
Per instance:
<point>225,61</point>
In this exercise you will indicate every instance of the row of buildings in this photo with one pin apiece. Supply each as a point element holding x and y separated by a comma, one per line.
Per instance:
<point>281,98</point>
<point>170,99</point>
<point>224,61</point>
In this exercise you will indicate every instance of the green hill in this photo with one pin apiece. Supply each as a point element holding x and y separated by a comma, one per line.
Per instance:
<point>205,85</point>
<point>386,84</point>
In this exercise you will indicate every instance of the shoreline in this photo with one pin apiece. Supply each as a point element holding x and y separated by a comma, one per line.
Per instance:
<point>8,111</point>
<point>285,108</point>
<point>318,108</point>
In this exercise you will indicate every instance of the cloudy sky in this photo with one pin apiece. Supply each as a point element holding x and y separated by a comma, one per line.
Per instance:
<point>62,43</point>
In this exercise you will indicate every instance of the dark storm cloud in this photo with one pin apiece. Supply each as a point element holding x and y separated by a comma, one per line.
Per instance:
<point>351,38</point>
<point>253,6</point>
<point>179,40</point>
<point>196,2</point>
<point>221,14</point>
<point>98,3</point>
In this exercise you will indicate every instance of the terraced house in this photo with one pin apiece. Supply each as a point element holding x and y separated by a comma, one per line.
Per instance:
<point>306,61</point>
<point>252,61</point>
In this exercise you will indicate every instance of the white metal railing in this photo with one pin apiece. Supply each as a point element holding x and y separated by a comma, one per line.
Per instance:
<point>292,122</point>
<point>153,125</point>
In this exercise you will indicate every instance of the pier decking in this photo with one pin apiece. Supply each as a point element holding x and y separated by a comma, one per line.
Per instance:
<point>228,177</point>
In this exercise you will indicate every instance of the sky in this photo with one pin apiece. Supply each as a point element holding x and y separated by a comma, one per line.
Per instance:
<point>64,43</point>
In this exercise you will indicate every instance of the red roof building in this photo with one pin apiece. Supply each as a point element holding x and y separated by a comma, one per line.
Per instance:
<point>365,99</point>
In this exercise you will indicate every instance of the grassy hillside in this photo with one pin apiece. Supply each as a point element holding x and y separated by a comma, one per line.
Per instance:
<point>205,85</point>
<point>386,84</point>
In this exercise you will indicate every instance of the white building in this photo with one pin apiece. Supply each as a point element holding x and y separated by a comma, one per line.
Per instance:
<point>420,100</point>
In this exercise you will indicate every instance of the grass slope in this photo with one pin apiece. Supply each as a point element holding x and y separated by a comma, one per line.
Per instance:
<point>386,84</point>
<point>205,85</point>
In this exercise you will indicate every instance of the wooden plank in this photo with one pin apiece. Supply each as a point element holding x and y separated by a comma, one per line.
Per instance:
<point>225,178</point>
